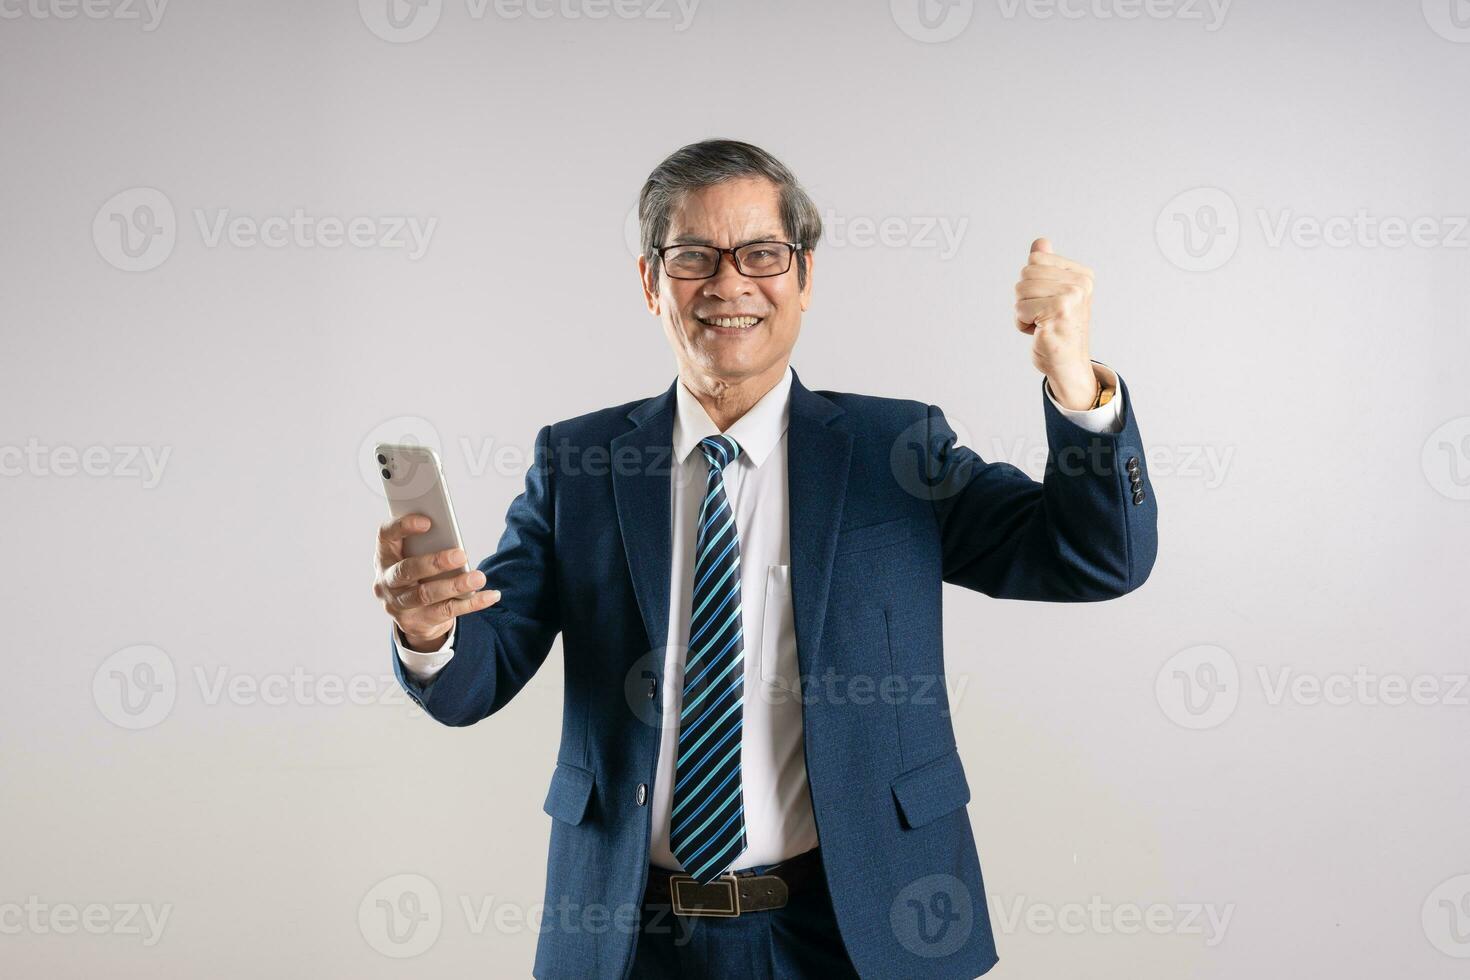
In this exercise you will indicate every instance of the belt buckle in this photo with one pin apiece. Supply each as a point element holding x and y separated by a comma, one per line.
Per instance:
<point>676,882</point>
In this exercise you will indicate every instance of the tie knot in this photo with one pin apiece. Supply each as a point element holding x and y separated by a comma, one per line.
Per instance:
<point>719,450</point>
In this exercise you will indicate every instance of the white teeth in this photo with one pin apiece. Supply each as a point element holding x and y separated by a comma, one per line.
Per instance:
<point>742,322</point>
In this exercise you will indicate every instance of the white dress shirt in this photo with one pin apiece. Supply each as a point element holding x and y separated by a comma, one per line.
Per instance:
<point>778,810</point>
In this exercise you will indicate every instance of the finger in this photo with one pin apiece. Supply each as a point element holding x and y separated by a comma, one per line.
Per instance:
<point>1058,262</point>
<point>1031,310</point>
<point>1041,245</point>
<point>435,590</point>
<point>1035,288</point>
<point>410,571</point>
<point>426,618</point>
<point>1055,273</point>
<point>392,533</point>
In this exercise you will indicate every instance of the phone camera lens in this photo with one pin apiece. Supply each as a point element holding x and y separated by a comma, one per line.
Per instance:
<point>386,474</point>
<point>382,460</point>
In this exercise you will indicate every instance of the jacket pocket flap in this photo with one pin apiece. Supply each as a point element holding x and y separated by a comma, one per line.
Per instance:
<point>931,790</point>
<point>571,789</point>
<point>871,536</point>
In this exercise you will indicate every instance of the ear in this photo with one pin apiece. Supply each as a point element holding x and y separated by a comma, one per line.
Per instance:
<point>809,257</point>
<point>650,285</point>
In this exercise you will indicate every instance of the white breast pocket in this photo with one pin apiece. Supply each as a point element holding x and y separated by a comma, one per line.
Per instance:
<point>778,664</point>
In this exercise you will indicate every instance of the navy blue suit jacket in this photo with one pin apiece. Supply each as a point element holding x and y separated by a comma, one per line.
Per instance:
<point>884,508</point>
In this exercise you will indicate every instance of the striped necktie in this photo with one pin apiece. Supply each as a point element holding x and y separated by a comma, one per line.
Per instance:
<point>707,823</point>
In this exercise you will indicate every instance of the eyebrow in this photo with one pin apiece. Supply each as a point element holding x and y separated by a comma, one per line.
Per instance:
<point>696,240</point>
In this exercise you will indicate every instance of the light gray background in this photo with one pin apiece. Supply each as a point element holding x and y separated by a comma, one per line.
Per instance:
<point>1304,406</point>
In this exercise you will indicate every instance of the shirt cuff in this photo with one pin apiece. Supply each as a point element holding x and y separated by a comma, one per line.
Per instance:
<point>423,666</point>
<point>1105,418</point>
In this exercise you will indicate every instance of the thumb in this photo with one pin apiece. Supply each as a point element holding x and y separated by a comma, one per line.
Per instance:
<point>1041,245</point>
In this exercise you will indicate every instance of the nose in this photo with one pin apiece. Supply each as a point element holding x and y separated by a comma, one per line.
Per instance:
<point>727,282</point>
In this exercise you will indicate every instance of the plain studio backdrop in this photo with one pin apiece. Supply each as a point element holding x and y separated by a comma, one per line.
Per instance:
<point>243,241</point>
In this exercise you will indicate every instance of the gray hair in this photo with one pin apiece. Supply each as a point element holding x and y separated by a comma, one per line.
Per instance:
<point>712,162</point>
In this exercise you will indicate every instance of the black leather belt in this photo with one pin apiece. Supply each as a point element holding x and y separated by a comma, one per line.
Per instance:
<point>736,893</point>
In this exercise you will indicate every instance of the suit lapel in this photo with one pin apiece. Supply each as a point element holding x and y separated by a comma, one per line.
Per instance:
<point>641,492</point>
<point>817,463</point>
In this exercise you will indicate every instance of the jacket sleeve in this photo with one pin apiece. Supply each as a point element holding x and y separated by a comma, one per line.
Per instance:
<point>1087,532</point>
<point>497,650</point>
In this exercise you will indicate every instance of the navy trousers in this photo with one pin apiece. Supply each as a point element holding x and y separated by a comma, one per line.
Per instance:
<point>796,942</point>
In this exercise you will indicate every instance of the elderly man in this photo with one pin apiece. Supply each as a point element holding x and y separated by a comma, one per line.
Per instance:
<point>758,775</point>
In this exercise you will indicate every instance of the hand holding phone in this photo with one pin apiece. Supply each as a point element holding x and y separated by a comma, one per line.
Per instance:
<point>423,576</point>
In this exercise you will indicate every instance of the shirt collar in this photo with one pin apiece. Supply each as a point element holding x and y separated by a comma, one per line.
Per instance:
<point>757,431</point>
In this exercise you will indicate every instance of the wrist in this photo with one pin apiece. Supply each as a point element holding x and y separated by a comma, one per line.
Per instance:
<point>1076,389</point>
<point>419,644</point>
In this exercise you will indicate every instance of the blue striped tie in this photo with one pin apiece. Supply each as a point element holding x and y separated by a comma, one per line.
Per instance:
<point>707,824</point>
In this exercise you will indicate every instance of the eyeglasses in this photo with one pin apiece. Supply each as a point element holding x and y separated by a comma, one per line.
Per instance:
<point>755,260</point>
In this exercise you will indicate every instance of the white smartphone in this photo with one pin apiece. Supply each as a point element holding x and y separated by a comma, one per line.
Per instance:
<point>413,482</point>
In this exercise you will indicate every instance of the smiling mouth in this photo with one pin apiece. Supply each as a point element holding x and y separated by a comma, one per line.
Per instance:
<point>730,322</point>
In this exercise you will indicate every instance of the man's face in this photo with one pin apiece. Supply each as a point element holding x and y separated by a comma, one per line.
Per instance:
<point>729,215</point>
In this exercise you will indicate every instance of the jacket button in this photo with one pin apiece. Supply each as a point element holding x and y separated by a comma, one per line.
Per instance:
<point>1132,463</point>
<point>1138,496</point>
<point>642,796</point>
<point>652,688</point>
